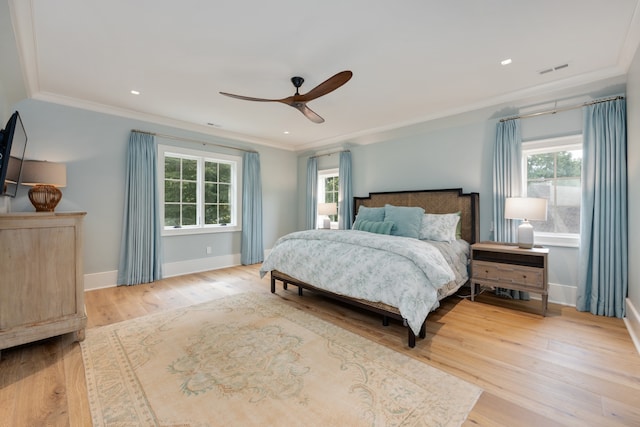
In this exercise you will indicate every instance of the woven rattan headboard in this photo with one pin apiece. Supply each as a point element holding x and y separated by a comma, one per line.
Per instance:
<point>433,201</point>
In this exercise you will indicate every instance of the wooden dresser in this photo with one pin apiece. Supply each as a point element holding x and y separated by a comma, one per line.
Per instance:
<point>504,265</point>
<point>41,276</point>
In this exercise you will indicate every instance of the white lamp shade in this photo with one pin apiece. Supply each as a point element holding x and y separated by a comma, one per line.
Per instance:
<point>327,208</point>
<point>525,208</point>
<point>529,208</point>
<point>36,172</point>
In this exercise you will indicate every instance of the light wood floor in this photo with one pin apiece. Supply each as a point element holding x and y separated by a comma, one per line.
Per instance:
<point>568,368</point>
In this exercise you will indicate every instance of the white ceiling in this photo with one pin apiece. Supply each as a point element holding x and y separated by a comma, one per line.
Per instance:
<point>412,60</point>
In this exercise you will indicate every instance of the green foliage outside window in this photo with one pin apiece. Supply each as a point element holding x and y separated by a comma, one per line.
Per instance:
<point>181,192</point>
<point>331,187</point>
<point>556,176</point>
<point>217,193</point>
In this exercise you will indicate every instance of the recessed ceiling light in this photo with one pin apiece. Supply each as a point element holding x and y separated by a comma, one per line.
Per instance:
<point>135,92</point>
<point>286,132</point>
<point>506,61</point>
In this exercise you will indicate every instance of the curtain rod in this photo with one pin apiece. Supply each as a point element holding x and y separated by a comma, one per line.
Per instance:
<point>328,154</point>
<point>558,110</point>
<point>193,140</point>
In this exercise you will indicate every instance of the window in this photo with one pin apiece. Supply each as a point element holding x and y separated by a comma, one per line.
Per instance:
<point>200,191</point>
<point>552,170</point>
<point>328,186</point>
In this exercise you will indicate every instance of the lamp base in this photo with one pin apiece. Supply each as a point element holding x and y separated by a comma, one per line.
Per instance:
<point>326,223</point>
<point>525,235</point>
<point>45,198</point>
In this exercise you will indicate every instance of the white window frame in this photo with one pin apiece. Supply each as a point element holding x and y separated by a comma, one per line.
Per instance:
<point>322,176</point>
<point>565,143</point>
<point>236,193</point>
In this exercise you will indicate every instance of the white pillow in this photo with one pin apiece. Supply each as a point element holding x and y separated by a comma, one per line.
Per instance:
<point>439,227</point>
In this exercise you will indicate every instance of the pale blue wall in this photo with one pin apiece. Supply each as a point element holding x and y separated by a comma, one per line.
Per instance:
<point>12,88</point>
<point>457,152</point>
<point>633,159</point>
<point>433,158</point>
<point>93,146</point>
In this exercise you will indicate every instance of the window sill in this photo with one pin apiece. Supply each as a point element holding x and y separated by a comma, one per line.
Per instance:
<point>189,231</point>
<point>559,240</point>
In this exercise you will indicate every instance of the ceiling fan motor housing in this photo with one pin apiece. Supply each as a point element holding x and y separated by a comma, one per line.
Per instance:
<point>297,81</point>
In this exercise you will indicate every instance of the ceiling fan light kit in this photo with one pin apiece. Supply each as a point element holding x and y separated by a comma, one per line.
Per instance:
<point>299,101</point>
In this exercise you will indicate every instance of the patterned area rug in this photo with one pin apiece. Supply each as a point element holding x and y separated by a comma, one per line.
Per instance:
<point>250,359</point>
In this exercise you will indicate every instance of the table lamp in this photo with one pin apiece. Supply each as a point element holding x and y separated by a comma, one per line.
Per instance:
<point>325,210</point>
<point>525,208</point>
<point>45,178</point>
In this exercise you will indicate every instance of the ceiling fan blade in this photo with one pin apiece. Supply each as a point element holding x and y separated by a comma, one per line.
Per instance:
<point>298,101</point>
<point>329,85</point>
<point>308,112</point>
<point>249,98</point>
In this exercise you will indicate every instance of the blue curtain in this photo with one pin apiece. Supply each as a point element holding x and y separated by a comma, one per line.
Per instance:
<point>345,192</point>
<point>603,276</point>
<point>507,177</point>
<point>507,182</point>
<point>252,249</point>
<point>140,247</point>
<point>312,193</point>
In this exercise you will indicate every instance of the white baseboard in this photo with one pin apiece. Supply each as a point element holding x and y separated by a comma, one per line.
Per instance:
<point>197,265</point>
<point>108,279</point>
<point>563,294</point>
<point>560,294</point>
<point>632,322</point>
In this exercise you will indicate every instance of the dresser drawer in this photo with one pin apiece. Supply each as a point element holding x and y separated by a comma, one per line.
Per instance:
<point>506,274</point>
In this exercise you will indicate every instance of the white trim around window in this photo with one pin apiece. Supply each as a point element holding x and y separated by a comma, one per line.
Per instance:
<point>235,196</point>
<point>323,175</point>
<point>564,143</point>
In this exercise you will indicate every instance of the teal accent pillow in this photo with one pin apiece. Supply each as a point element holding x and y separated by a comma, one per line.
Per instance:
<point>379,227</point>
<point>407,220</point>
<point>369,214</point>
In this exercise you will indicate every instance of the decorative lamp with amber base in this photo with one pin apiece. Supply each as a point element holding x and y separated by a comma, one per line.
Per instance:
<point>45,178</point>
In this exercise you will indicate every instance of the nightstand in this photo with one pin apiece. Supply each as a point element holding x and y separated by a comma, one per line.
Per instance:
<point>505,265</point>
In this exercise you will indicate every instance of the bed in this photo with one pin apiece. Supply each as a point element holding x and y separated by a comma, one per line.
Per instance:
<point>392,270</point>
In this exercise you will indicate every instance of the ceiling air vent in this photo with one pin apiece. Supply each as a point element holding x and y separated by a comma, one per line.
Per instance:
<point>556,68</point>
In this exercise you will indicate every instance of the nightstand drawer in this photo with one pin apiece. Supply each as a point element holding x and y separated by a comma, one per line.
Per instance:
<point>508,273</point>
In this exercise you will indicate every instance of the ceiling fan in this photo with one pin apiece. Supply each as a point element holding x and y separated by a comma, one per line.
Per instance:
<point>299,101</point>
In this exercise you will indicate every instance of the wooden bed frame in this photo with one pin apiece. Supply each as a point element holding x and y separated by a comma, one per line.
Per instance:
<point>433,201</point>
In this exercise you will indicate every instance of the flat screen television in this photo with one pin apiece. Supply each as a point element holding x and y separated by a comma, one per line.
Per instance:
<point>13,142</point>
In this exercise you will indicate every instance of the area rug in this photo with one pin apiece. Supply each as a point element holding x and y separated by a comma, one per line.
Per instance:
<point>251,359</point>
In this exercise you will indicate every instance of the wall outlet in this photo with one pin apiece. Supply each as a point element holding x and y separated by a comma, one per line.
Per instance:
<point>208,250</point>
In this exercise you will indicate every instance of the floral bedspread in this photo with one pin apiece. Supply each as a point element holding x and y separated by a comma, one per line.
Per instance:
<point>399,271</point>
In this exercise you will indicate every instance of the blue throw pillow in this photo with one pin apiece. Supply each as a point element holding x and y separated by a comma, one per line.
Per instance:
<point>407,220</point>
<point>369,214</point>
<point>379,227</point>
